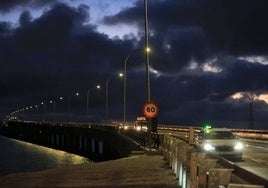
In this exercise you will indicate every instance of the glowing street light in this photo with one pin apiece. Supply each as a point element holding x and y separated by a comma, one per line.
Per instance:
<point>107,98</point>
<point>69,104</point>
<point>44,110</point>
<point>88,98</point>
<point>148,92</point>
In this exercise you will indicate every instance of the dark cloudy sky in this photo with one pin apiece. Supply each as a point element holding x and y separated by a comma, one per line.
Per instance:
<point>207,58</point>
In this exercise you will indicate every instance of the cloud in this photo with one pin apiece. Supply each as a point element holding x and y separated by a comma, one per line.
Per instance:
<point>233,27</point>
<point>6,6</point>
<point>56,51</point>
<point>201,54</point>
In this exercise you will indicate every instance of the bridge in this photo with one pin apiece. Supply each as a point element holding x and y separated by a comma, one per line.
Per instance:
<point>192,168</point>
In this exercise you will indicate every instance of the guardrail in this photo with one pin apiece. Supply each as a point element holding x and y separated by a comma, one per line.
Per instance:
<point>195,169</point>
<point>242,133</point>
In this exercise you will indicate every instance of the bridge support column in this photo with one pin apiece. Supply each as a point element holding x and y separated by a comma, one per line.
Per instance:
<point>100,147</point>
<point>57,139</point>
<point>62,140</point>
<point>80,143</point>
<point>92,145</point>
<point>52,139</point>
<point>85,144</point>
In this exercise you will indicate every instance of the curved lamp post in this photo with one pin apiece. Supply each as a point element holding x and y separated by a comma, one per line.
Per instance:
<point>69,104</point>
<point>44,111</point>
<point>125,84</point>
<point>88,99</point>
<point>106,100</point>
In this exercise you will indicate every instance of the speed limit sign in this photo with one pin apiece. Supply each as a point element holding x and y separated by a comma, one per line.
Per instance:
<point>150,109</point>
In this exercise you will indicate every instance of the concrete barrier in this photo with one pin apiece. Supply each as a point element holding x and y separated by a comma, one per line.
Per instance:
<point>194,169</point>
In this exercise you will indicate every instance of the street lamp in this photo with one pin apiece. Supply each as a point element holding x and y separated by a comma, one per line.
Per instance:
<point>69,104</point>
<point>88,99</point>
<point>148,92</point>
<point>106,99</point>
<point>125,87</point>
<point>54,105</point>
<point>251,119</point>
<point>44,110</point>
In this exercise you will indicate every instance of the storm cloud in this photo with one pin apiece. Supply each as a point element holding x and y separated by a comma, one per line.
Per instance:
<point>199,54</point>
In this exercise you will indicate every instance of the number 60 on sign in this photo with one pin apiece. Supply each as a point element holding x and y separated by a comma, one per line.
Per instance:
<point>150,109</point>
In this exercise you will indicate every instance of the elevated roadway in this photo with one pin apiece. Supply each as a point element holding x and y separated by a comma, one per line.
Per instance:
<point>255,158</point>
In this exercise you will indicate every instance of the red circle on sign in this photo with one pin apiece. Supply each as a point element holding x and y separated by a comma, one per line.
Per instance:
<point>150,109</point>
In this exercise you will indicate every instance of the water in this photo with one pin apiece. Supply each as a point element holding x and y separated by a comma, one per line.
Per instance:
<point>17,156</point>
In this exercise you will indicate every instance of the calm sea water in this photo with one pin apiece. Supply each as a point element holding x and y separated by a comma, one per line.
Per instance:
<point>17,156</point>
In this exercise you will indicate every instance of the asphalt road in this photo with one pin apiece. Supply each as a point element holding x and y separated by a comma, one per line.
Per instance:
<point>255,158</point>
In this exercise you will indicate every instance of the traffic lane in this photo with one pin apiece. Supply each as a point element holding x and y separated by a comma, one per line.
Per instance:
<point>256,152</point>
<point>255,159</point>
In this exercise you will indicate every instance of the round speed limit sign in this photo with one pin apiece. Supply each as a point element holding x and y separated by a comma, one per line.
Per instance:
<point>150,109</point>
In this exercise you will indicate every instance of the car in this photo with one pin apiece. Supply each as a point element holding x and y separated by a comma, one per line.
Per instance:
<point>220,141</point>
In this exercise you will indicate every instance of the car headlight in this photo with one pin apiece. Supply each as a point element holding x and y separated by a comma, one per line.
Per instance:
<point>239,146</point>
<point>208,147</point>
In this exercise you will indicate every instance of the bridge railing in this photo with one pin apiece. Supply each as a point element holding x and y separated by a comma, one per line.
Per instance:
<point>197,169</point>
<point>242,133</point>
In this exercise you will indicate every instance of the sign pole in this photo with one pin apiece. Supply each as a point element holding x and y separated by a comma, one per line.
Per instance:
<point>150,110</point>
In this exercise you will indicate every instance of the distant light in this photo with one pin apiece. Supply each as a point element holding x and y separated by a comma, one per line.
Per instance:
<point>121,75</point>
<point>148,49</point>
<point>61,98</point>
<point>77,94</point>
<point>98,86</point>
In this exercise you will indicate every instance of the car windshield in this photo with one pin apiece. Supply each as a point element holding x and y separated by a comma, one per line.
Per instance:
<point>219,135</point>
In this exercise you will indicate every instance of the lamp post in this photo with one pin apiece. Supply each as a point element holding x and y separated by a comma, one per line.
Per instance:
<point>88,92</point>
<point>147,49</point>
<point>251,119</point>
<point>106,100</point>
<point>54,105</point>
<point>44,111</point>
<point>125,86</point>
<point>69,104</point>
<point>148,92</point>
<point>88,99</point>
